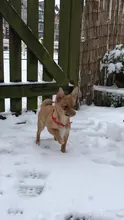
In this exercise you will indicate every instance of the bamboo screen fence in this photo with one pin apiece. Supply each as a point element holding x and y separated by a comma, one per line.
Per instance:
<point>103,28</point>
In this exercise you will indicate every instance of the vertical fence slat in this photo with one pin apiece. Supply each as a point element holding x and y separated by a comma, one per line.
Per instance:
<point>32,62</point>
<point>74,40</point>
<point>15,59</point>
<point>64,30</point>
<point>2,107</point>
<point>48,40</point>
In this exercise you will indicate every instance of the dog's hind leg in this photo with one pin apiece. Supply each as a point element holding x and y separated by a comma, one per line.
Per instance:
<point>40,127</point>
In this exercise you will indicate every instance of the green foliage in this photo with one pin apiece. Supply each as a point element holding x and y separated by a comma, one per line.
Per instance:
<point>108,99</point>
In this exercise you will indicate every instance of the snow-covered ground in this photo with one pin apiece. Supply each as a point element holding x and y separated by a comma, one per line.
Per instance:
<point>41,183</point>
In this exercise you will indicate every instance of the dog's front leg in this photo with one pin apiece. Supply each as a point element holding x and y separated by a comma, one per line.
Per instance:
<point>56,135</point>
<point>63,146</point>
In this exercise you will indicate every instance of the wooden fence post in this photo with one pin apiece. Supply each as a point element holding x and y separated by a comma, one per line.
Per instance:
<point>48,40</point>
<point>69,39</point>
<point>74,40</point>
<point>32,62</point>
<point>2,106</point>
<point>15,59</point>
<point>64,30</point>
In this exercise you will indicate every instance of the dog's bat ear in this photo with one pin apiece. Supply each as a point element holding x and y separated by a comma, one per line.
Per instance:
<point>75,93</point>
<point>60,94</point>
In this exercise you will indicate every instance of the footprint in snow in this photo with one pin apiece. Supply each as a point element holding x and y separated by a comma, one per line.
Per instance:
<point>75,217</point>
<point>1,192</point>
<point>6,151</point>
<point>85,217</point>
<point>9,175</point>
<point>120,213</point>
<point>17,163</point>
<point>15,211</point>
<point>32,183</point>
<point>31,190</point>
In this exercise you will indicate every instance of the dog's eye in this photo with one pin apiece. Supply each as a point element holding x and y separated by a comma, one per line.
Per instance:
<point>65,107</point>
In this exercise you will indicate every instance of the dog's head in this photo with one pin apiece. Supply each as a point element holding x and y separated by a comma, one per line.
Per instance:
<point>67,102</point>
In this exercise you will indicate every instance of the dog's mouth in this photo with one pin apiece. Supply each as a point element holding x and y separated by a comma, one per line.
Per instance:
<point>67,114</point>
<point>70,114</point>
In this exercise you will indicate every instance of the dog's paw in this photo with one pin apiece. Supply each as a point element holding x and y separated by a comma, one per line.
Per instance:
<point>63,149</point>
<point>37,142</point>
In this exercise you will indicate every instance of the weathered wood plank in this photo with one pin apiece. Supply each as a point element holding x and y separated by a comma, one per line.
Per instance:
<point>15,59</point>
<point>2,107</point>
<point>32,62</point>
<point>31,41</point>
<point>64,34</point>
<point>74,40</point>
<point>48,40</point>
<point>17,90</point>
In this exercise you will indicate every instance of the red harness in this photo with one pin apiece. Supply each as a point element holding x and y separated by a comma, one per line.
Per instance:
<point>59,123</point>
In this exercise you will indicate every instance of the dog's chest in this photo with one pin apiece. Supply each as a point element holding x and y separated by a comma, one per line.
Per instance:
<point>62,131</point>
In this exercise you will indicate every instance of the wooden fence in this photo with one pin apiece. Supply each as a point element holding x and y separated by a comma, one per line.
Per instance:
<point>103,28</point>
<point>68,57</point>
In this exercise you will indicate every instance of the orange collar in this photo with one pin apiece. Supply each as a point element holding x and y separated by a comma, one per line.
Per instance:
<point>59,123</point>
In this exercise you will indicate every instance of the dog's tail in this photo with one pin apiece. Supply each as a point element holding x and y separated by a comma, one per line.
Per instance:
<point>46,102</point>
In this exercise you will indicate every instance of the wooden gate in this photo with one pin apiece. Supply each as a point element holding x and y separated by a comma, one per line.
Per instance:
<point>54,75</point>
